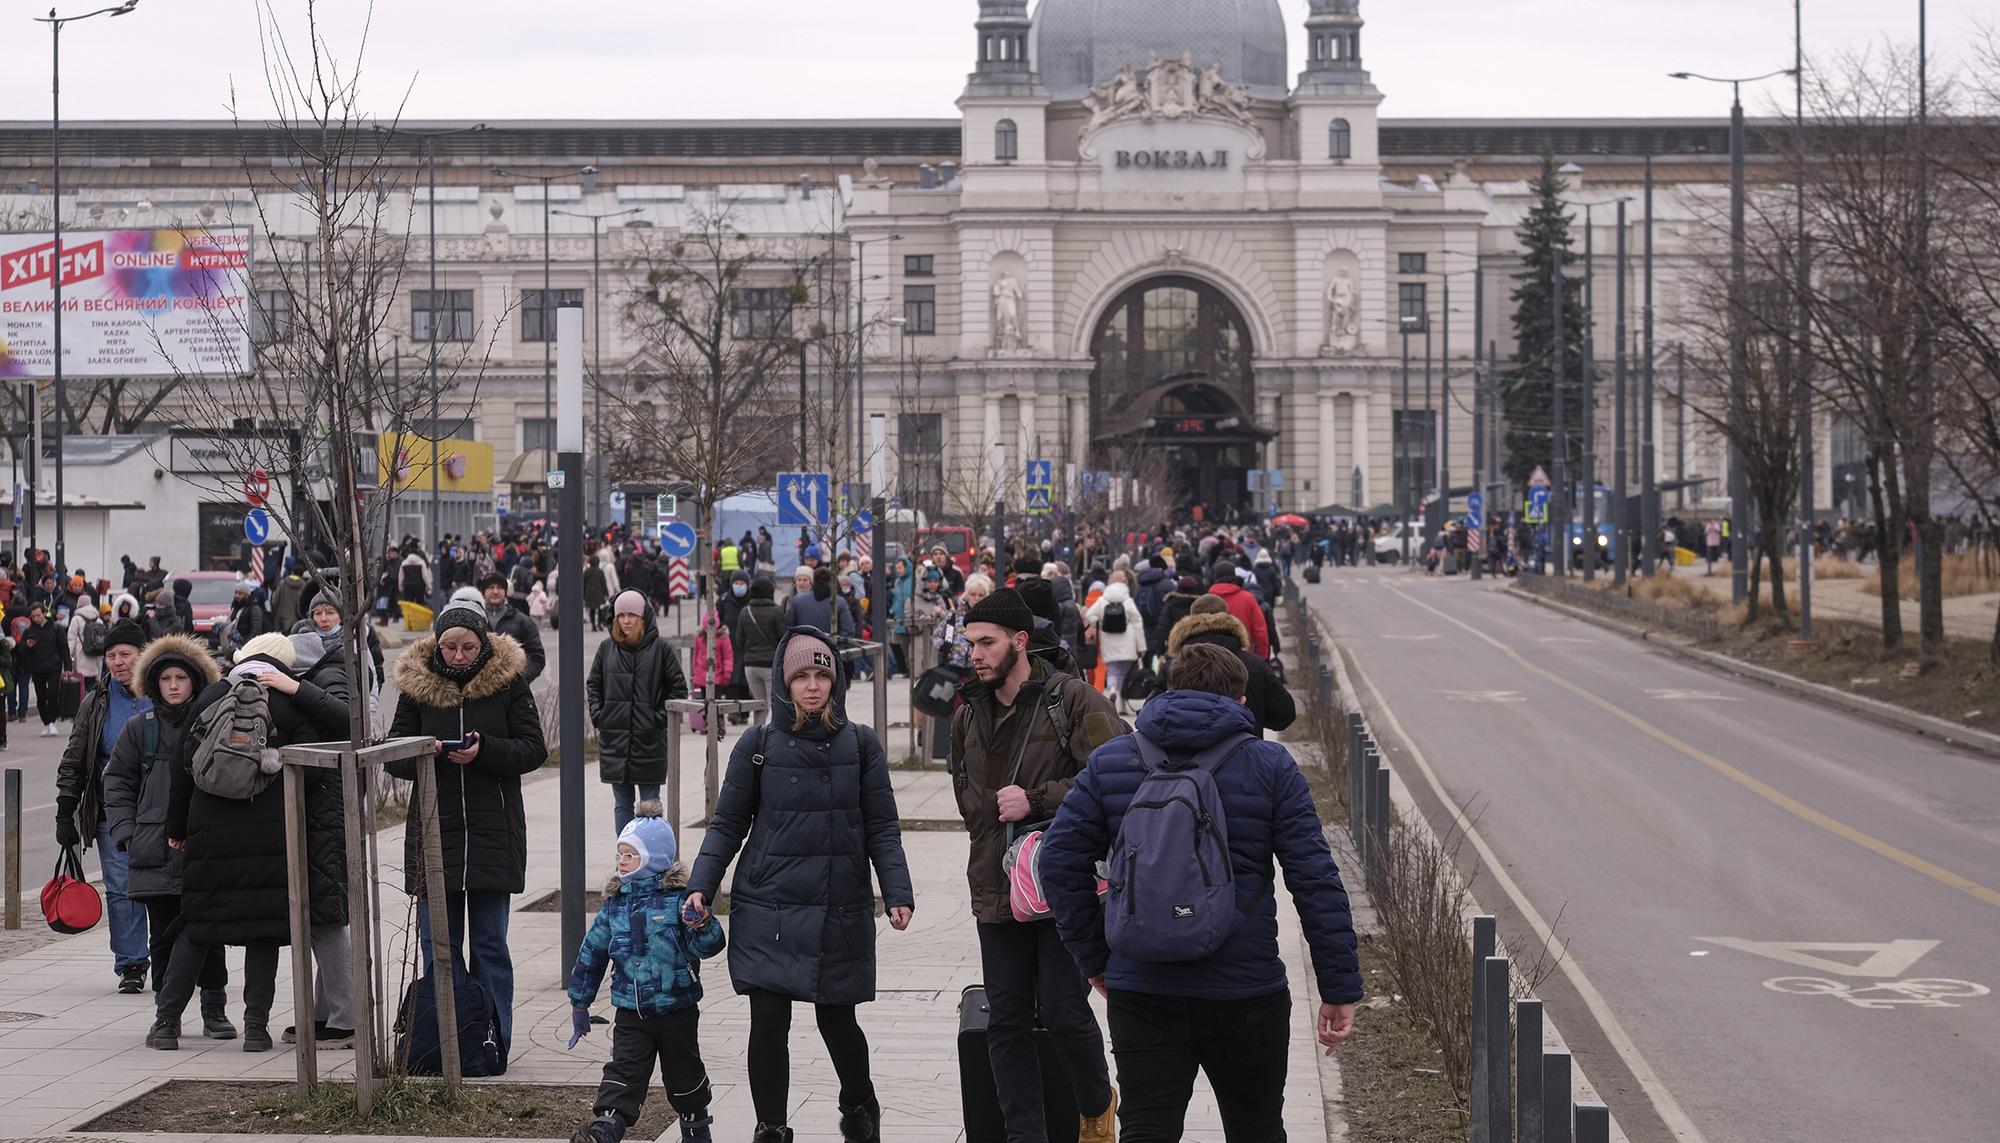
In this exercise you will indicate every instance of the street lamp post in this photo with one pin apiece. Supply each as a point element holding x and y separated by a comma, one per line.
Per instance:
<point>546,308</point>
<point>1649,486</point>
<point>428,142</point>
<point>1401,463</point>
<point>861,349</point>
<point>1621,544</point>
<point>1558,519</point>
<point>1588,406</point>
<point>55,24</point>
<point>1739,497</point>
<point>1804,289</point>
<point>597,352</point>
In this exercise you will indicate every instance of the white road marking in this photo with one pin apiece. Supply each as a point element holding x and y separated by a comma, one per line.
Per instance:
<point>1664,1104</point>
<point>1885,958</point>
<point>1934,992</point>
<point>1566,639</point>
<point>1411,638</point>
<point>1484,696</point>
<point>1674,694</point>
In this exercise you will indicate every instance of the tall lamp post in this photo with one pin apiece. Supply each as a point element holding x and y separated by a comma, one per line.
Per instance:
<point>569,675</point>
<point>861,246</point>
<point>597,503</point>
<point>55,24</point>
<point>1739,497</point>
<point>1408,322</point>
<point>1804,290</point>
<point>589,176</point>
<point>427,142</point>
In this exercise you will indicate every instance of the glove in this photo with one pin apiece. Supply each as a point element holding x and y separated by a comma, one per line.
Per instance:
<point>579,1025</point>
<point>66,834</point>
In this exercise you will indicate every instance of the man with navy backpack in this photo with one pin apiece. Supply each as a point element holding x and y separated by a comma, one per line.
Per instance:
<point>1185,947</point>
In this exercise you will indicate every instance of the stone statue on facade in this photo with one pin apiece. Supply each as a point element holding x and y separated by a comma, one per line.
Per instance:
<point>1343,318</point>
<point>1217,96</point>
<point>1009,298</point>
<point>1116,98</point>
<point>1170,89</point>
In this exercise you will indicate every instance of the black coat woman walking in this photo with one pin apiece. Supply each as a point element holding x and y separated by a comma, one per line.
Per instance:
<point>807,801</point>
<point>464,687</point>
<point>634,675</point>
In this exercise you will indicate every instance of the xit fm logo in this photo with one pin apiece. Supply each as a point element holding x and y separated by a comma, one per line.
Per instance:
<point>37,264</point>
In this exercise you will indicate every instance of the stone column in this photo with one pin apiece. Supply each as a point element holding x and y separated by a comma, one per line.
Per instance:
<point>1361,458</point>
<point>1663,444</point>
<point>989,441</point>
<point>1329,463</point>
<point>1079,431</point>
<point>1267,418</point>
<point>1029,449</point>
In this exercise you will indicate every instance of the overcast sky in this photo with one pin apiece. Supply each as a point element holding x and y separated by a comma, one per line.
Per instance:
<point>720,59</point>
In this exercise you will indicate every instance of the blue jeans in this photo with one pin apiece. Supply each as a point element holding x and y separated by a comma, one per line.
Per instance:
<point>128,917</point>
<point>625,795</point>
<point>17,696</point>
<point>488,959</point>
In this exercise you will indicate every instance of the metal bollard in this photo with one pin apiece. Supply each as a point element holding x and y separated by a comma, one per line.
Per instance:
<point>1593,1123</point>
<point>1495,993</point>
<point>1555,1097</point>
<point>1528,1069</point>
<point>1482,948</point>
<point>1356,733</point>
<point>1312,648</point>
<point>13,795</point>
<point>1325,686</point>
<point>1378,824</point>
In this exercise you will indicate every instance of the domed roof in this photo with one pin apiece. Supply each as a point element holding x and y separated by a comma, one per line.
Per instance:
<point>1082,42</point>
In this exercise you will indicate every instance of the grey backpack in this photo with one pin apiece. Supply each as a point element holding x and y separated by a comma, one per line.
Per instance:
<point>232,755</point>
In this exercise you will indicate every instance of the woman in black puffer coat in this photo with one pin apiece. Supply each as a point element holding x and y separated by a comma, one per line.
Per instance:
<point>234,888</point>
<point>808,802</point>
<point>634,675</point>
<point>462,685</point>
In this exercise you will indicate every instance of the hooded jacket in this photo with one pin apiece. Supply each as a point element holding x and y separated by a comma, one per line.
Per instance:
<point>811,810</point>
<point>234,883</point>
<point>759,627</point>
<point>138,780</point>
<point>713,656</point>
<point>183,604</point>
<point>1125,646</point>
<point>1154,584</point>
<point>1245,608</point>
<point>986,738</point>
<point>627,692</point>
<point>1270,704</point>
<point>481,822</point>
<point>654,958</point>
<point>1269,814</point>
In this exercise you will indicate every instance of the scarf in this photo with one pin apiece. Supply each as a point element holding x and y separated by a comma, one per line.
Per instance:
<point>465,674</point>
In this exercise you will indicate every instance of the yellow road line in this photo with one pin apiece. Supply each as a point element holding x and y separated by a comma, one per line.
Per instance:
<point>1762,789</point>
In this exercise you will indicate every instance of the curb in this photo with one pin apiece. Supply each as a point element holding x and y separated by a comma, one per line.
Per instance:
<point>1874,710</point>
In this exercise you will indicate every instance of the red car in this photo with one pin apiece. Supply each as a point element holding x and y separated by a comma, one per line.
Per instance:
<point>214,593</point>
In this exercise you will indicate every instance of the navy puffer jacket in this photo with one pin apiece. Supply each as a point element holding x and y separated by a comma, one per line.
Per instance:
<point>1270,814</point>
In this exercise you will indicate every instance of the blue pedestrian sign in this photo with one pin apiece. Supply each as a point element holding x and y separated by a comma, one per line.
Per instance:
<point>864,523</point>
<point>1041,473</point>
<point>1475,510</point>
<point>805,499</point>
<point>257,526</point>
<point>1538,505</point>
<point>677,539</point>
<point>1277,481</point>
<point>1038,500</point>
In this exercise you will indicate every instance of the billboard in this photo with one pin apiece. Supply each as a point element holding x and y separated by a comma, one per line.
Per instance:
<point>136,303</point>
<point>406,464</point>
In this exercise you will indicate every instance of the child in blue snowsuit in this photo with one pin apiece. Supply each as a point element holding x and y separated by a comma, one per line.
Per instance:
<point>655,954</point>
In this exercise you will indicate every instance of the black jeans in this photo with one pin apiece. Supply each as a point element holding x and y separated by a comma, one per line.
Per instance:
<point>674,1039</point>
<point>771,1056</point>
<point>48,701</point>
<point>1030,974</point>
<point>163,922</point>
<point>260,979</point>
<point>1241,1044</point>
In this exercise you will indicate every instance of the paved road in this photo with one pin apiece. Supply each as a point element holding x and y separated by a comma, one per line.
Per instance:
<point>1675,821</point>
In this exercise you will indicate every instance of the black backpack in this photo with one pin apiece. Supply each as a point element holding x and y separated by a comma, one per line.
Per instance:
<point>94,631</point>
<point>1113,621</point>
<point>482,1049</point>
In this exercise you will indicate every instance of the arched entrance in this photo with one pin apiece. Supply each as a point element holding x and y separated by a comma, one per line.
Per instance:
<point>1173,384</point>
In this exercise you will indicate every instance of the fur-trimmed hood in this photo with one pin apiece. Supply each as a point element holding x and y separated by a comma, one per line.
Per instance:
<point>415,678</point>
<point>183,647</point>
<point>676,877</point>
<point>1213,623</point>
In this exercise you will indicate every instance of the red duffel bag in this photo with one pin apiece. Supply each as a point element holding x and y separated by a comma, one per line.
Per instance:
<point>70,903</point>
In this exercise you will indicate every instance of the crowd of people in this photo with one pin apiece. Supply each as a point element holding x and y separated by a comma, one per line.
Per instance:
<point>1175,629</point>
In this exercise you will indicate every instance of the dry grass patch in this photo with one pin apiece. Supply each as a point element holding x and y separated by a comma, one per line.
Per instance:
<point>1964,574</point>
<point>1836,567</point>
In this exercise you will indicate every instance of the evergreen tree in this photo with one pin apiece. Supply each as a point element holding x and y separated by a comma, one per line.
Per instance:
<point>1527,396</point>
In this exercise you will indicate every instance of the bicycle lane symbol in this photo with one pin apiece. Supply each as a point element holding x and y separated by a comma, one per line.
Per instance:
<point>1915,993</point>
<point>1875,988</point>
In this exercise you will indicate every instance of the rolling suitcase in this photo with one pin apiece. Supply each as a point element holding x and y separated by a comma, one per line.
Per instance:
<point>1312,573</point>
<point>975,1079</point>
<point>69,695</point>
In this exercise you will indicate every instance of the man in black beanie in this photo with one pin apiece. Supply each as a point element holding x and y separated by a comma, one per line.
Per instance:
<point>80,797</point>
<point>1023,733</point>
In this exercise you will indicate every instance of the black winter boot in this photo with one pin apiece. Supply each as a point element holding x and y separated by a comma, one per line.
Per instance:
<point>164,1035</point>
<point>215,1020</point>
<point>862,1124</point>
<point>256,1031</point>
<point>606,1128</point>
<point>768,1134</point>
<point>695,1128</point>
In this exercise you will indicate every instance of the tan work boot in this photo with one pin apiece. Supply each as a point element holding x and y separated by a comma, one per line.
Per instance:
<point>1100,1128</point>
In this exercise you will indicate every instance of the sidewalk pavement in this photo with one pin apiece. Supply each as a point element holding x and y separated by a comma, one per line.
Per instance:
<point>71,1048</point>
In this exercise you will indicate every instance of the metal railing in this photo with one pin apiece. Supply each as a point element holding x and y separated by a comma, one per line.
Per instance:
<point>1618,605</point>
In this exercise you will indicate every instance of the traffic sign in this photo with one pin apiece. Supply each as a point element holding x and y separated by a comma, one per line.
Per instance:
<point>679,586</point>
<point>666,506</point>
<point>677,538</point>
<point>1277,481</point>
<point>864,522</point>
<point>617,500</point>
<point>256,488</point>
<point>1539,478</point>
<point>1041,473</point>
<point>257,526</point>
<point>19,493</point>
<point>1475,510</point>
<point>1538,504</point>
<point>503,502</point>
<point>1038,500</point>
<point>557,478</point>
<point>805,499</point>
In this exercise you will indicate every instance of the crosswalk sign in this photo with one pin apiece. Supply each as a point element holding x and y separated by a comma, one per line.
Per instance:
<point>1038,500</point>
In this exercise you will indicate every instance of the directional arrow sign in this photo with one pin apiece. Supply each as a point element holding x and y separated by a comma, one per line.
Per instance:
<point>864,522</point>
<point>805,499</point>
<point>257,526</point>
<point>1885,959</point>
<point>1475,510</point>
<point>677,539</point>
<point>1041,473</point>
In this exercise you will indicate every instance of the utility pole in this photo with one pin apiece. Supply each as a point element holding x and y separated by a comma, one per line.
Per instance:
<point>1649,487</point>
<point>1587,550</point>
<point>1739,491</point>
<point>1621,554</point>
<point>1558,525</point>
<point>1804,291</point>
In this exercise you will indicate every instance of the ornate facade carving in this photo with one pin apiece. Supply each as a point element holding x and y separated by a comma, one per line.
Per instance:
<point>1169,89</point>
